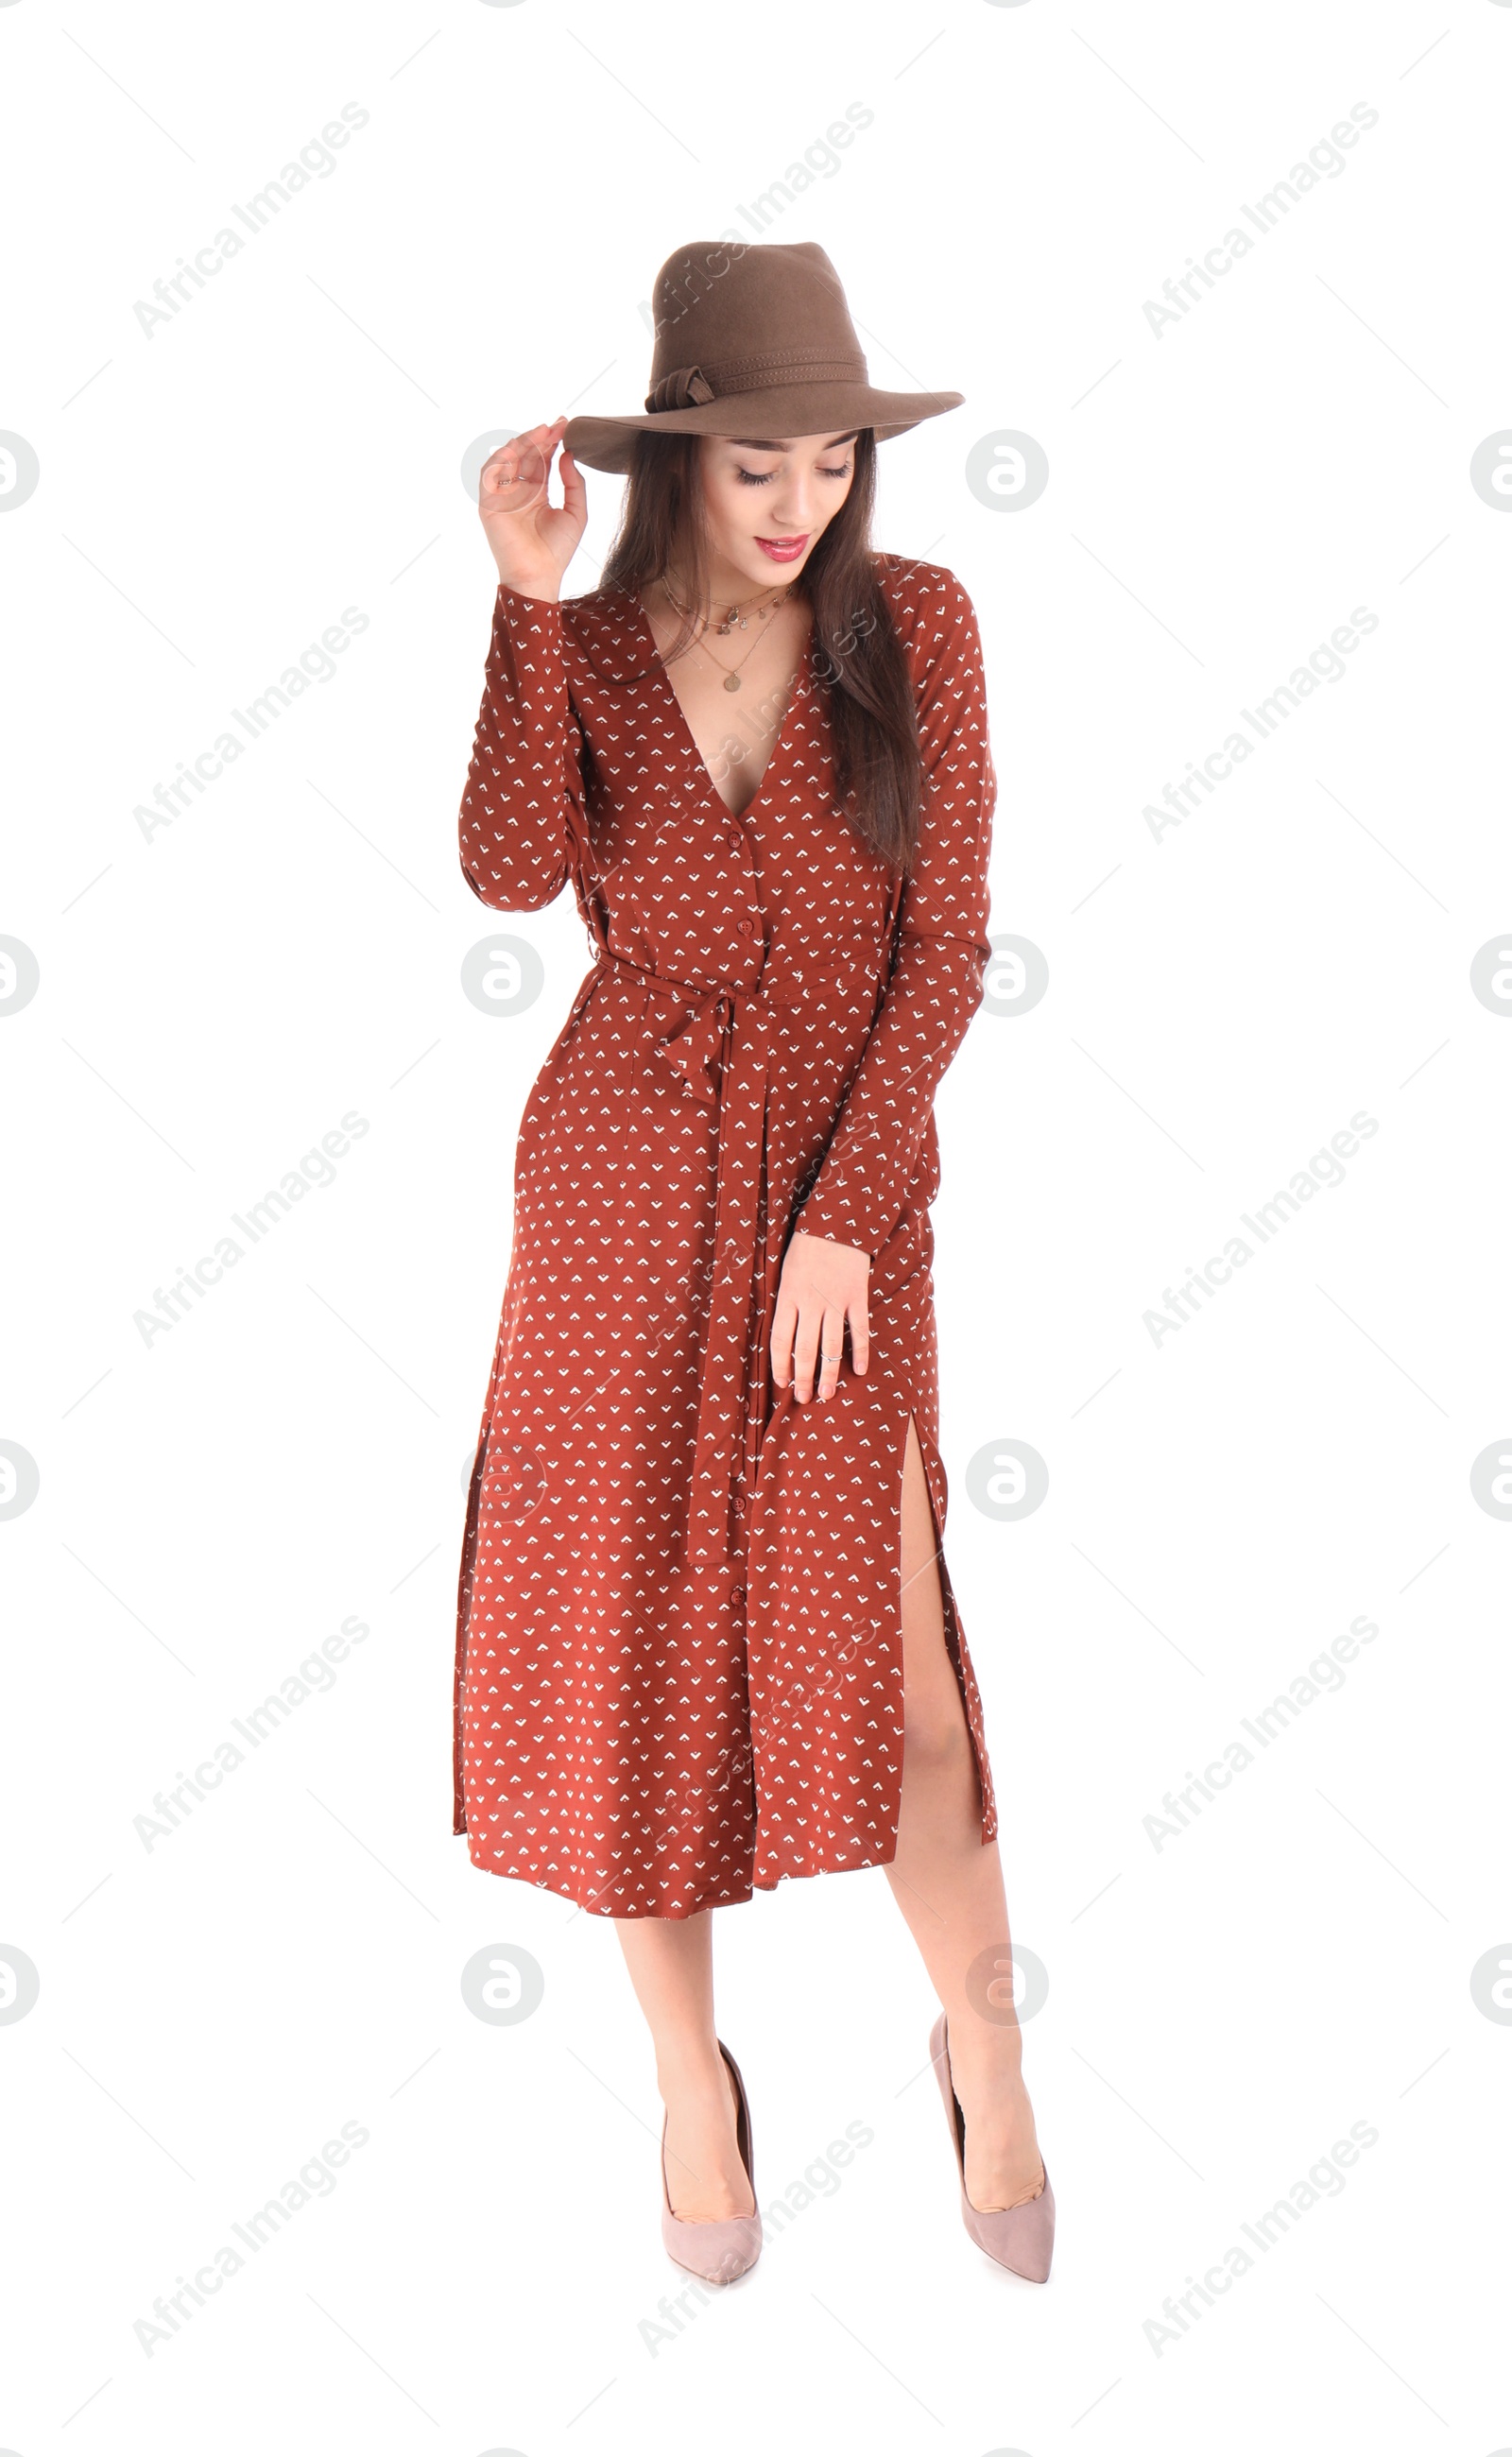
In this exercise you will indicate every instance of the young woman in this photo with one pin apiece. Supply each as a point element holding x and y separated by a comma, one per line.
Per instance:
<point>706,1635</point>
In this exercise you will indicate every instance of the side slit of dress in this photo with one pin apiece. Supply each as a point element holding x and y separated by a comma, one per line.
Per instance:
<point>935,1490</point>
<point>469,1548</point>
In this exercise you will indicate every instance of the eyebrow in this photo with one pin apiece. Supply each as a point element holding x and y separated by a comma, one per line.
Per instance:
<point>766,443</point>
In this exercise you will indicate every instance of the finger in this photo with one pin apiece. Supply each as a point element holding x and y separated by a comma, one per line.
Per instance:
<point>805,1350</point>
<point>534,435</point>
<point>511,453</point>
<point>575,491</point>
<point>505,471</point>
<point>784,1322</point>
<point>861,1336</point>
<point>831,1349</point>
<point>522,467</point>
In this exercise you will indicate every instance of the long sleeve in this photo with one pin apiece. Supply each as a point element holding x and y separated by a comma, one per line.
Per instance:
<point>936,984</point>
<point>521,824</point>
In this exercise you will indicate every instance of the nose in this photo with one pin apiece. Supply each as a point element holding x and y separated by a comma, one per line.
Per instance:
<point>797,509</point>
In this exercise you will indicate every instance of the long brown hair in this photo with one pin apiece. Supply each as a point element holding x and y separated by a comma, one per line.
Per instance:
<point>858,658</point>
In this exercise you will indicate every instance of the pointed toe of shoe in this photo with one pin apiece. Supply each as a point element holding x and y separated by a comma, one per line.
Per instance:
<point>719,2250</point>
<point>1022,2239</point>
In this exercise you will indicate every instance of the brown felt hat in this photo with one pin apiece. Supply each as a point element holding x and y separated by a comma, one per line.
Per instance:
<point>753,341</point>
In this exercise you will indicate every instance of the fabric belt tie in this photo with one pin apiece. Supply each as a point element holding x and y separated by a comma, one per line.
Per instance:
<point>718,1041</point>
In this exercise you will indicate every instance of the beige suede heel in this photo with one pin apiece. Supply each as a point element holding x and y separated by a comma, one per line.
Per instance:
<point>1021,2238</point>
<point>717,2249</point>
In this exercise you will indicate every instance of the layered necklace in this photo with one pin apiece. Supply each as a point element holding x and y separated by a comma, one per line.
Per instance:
<point>736,618</point>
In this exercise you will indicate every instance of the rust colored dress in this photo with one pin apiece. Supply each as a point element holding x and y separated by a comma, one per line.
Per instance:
<point>680,1661</point>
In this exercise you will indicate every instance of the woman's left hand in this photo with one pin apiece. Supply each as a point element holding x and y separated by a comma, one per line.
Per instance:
<point>822,1288</point>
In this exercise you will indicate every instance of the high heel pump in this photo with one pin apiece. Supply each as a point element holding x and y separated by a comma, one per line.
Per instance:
<point>717,2249</point>
<point>1020,2238</point>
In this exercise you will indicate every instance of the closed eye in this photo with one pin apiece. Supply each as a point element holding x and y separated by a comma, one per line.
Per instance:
<point>750,477</point>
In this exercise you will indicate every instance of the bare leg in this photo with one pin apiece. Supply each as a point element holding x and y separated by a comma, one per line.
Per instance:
<point>947,1883</point>
<point>671,1965</point>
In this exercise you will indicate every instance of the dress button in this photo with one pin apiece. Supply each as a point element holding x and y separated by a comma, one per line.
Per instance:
<point>747,928</point>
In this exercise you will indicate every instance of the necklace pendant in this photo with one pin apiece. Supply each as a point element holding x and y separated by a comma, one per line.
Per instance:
<point>732,682</point>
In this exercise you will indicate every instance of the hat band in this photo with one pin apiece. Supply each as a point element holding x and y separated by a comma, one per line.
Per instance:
<point>691,387</point>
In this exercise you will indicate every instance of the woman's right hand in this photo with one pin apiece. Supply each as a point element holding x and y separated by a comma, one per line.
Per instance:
<point>532,542</point>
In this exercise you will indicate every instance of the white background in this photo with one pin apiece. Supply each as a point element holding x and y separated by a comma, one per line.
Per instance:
<point>1221,1001</point>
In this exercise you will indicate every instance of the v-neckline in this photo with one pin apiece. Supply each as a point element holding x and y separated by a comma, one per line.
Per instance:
<point>731,819</point>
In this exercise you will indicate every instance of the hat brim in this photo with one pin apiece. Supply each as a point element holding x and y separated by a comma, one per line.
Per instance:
<point>779,410</point>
